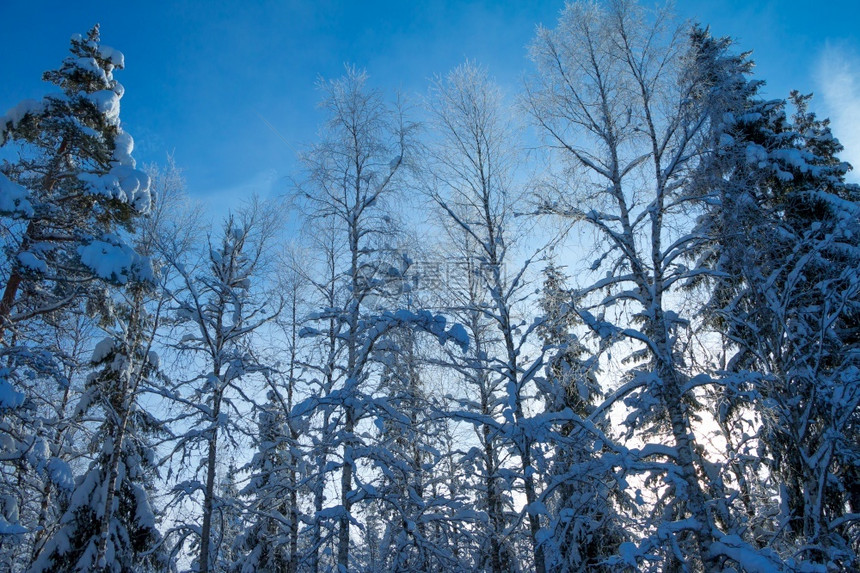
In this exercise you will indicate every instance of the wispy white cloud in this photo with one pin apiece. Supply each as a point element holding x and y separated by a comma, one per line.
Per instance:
<point>837,75</point>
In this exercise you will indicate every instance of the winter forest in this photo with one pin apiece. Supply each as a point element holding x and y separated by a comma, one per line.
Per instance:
<point>609,323</point>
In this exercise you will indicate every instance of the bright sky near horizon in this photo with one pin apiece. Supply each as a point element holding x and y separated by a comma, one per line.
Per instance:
<point>229,86</point>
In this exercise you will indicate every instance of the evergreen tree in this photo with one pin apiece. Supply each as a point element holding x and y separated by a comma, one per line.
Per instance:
<point>264,545</point>
<point>73,188</point>
<point>415,536</point>
<point>110,524</point>
<point>67,200</point>
<point>582,496</point>
<point>784,253</point>
<point>230,525</point>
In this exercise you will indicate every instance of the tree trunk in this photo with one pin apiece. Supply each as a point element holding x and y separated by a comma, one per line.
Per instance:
<point>10,293</point>
<point>316,537</point>
<point>673,399</point>
<point>346,494</point>
<point>209,493</point>
<point>294,526</point>
<point>353,371</point>
<point>498,562</point>
<point>294,438</point>
<point>534,519</point>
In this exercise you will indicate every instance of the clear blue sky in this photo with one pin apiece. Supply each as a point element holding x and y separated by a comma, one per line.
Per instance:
<point>201,77</point>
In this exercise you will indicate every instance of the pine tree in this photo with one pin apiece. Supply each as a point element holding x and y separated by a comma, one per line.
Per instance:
<point>68,200</point>
<point>230,525</point>
<point>111,518</point>
<point>406,453</point>
<point>574,374</point>
<point>74,187</point>
<point>271,542</point>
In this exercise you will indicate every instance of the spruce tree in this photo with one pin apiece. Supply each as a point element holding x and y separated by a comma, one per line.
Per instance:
<point>582,497</point>
<point>782,259</point>
<point>264,545</point>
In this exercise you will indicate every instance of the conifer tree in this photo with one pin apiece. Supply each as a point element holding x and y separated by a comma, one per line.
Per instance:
<point>111,518</point>
<point>783,255</point>
<point>68,200</point>
<point>74,187</point>
<point>264,545</point>
<point>582,498</point>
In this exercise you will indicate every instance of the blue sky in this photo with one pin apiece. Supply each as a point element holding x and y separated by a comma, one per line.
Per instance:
<point>228,87</point>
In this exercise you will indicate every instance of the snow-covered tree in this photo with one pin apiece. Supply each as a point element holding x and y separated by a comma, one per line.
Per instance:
<point>418,513</point>
<point>110,524</point>
<point>219,306</point>
<point>484,466</point>
<point>351,175</point>
<point>42,435</point>
<point>73,188</point>
<point>267,543</point>
<point>320,269</point>
<point>67,200</point>
<point>278,468</point>
<point>783,257</point>
<point>584,501</point>
<point>473,183</point>
<point>110,518</point>
<point>616,96</point>
<point>229,524</point>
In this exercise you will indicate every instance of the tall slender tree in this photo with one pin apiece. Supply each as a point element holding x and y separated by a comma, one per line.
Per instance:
<point>616,96</point>
<point>352,174</point>
<point>584,501</point>
<point>220,306</point>
<point>474,186</point>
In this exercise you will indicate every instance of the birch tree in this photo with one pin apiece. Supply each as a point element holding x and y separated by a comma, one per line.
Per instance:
<point>473,184</point>
<point>614,97</point>
<point>220,305</point>
<point>352,174</point>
